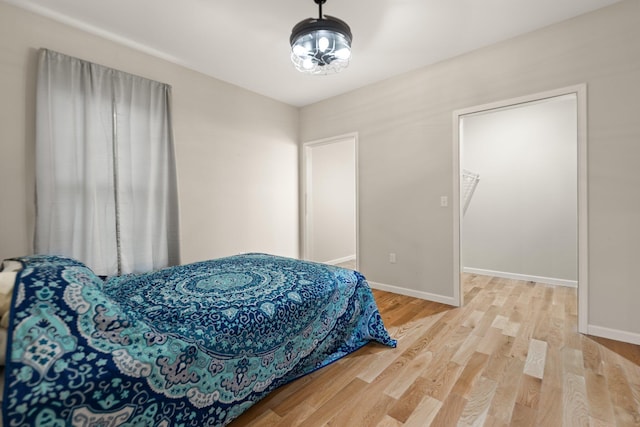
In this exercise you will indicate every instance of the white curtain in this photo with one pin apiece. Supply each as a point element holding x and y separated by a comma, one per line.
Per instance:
<point>105,167</point>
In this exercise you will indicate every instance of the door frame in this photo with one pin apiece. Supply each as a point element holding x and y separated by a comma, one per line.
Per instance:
<point>580,91</point>
<point>306,195</point>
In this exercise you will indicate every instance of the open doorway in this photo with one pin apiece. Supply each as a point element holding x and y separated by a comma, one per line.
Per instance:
<point>329,226</point>
<point>545,266</point>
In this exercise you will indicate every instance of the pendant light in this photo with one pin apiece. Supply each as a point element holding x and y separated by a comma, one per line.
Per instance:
<point>322,45</point>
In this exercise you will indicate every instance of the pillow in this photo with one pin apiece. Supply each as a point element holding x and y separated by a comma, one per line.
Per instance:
<point>7,280</point>
<point>11,265</point>
<point>3,346</point>
<point>4,320</point>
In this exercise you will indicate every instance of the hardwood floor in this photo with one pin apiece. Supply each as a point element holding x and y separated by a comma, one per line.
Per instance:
<point>510,357</point>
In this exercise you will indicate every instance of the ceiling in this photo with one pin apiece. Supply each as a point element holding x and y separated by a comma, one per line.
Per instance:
<point>246,42</point>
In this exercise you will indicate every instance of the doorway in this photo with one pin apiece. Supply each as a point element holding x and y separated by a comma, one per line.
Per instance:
<point>578,93</point>
<point>330,208</point>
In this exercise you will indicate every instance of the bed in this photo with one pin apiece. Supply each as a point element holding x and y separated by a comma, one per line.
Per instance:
<point>191,345</point>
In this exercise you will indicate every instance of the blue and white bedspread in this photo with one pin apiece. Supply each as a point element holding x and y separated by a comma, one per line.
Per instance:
<point>192,345</point>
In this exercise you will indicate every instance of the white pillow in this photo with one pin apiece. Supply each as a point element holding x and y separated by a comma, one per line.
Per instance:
<point>11,265</point>
<point>3,345</point>
<point>7,279</point>
<point>4,322</point>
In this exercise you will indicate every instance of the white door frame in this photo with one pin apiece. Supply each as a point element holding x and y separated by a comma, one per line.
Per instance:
<point>306,195</point>
<point>583,249</point>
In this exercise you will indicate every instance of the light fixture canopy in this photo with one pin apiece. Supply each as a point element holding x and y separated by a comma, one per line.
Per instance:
<point>322,45</point>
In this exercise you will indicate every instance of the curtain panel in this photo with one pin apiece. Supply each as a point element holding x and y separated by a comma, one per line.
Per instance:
<point>106,191</point>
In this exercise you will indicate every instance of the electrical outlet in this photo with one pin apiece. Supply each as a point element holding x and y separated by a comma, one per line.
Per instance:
<point>392,258</point>
<point>444,201</point>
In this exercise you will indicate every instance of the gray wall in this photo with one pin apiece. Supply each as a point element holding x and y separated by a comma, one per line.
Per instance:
<point>236,151</point>
<point>405,144</point>
<point>522,218</point>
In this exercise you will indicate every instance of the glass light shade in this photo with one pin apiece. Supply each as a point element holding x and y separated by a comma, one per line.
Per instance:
<point>321,46</point>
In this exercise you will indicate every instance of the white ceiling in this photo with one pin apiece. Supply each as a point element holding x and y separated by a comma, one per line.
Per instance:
<point>246,42</point>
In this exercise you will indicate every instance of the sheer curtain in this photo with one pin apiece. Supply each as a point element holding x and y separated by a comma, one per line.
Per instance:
<point>105,167</point>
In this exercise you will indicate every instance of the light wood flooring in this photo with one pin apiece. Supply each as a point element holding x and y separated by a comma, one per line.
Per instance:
<point>510,357</point>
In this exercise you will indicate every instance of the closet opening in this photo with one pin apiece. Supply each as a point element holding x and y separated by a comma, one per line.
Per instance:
<point>520,192</point>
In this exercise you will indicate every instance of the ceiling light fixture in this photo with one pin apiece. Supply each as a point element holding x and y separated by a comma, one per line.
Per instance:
<point>322,45</point>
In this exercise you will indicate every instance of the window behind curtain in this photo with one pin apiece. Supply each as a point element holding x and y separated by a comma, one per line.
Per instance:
<point>105,167</point>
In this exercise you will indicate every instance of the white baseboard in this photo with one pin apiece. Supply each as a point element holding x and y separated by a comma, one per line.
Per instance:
<point>525,277</point>
<point>598,331</point>
<point>614,334</point>
<point>413,293</point>
<point>341,260</point>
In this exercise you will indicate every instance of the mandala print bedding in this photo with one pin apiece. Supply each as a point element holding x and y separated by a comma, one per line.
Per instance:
<point>192,345</point>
